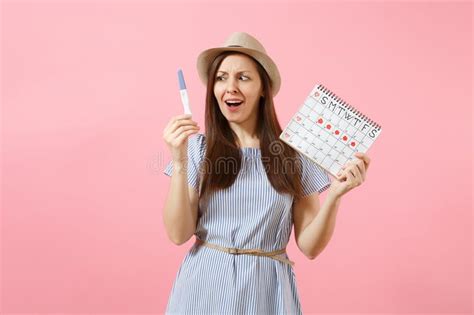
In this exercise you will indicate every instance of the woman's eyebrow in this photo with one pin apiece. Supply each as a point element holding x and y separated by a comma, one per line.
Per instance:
<point>237,72</point>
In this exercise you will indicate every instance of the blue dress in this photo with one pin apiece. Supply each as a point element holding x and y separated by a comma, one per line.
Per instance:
<point>249,214</point>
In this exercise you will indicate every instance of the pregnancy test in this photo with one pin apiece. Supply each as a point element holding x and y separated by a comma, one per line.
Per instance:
<point>184,93</point>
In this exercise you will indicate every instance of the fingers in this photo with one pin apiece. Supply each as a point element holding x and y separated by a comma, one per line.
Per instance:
<point>360,165</point>
<point>178,129</point>
<point>352,173</point>
<point>183,133</point>
<point>181,121</point>
<point>178,121</point>
<point>350,177</point>
<point>342,174</point>
<point>184,130</point>
<point>355,171</point>
<point>175,118</point>
<point>364,157</point>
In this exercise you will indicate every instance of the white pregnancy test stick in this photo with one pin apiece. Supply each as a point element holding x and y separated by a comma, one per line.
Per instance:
<point>184,93</point>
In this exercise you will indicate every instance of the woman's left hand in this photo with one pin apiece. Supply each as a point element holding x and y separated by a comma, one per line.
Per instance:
<point>353,174</point>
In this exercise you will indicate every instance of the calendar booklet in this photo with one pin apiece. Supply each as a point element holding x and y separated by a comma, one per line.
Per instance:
<point>329,131</point>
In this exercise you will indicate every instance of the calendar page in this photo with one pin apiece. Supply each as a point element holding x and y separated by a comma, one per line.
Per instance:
<point>329,131</point>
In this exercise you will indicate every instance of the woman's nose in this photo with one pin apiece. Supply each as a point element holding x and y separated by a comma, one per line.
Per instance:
<point>231,86</point>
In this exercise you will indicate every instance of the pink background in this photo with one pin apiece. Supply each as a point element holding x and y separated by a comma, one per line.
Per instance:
<point>88,87</point>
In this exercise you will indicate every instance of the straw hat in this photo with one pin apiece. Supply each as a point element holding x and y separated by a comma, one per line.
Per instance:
<point>247,44</point>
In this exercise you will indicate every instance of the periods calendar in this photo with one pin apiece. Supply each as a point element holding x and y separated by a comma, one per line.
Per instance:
<point>329,131</point>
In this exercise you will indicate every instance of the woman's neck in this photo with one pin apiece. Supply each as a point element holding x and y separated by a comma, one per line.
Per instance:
<point>246,137</point>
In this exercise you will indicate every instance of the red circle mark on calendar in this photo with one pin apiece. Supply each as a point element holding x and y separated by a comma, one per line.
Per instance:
<point>328,126</point>
<point>336,132</point>
<point>344,138</point>
<point>353,143</point>
<point>320,121</point>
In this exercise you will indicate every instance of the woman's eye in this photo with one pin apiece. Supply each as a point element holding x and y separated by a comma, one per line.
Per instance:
<point>220,78</point>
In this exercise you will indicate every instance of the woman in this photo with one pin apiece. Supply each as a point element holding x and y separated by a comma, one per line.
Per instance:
<point>239,190</point>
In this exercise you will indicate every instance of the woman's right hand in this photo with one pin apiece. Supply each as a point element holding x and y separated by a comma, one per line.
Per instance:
<point>176,134</point>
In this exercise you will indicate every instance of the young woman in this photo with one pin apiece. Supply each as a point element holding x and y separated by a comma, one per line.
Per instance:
<point>240,190</point>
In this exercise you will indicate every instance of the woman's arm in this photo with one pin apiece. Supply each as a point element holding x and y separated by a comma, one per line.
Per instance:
<point>180,211</point>
<point>317,231</point>
<point>313,226</point>
<point>181,206</point>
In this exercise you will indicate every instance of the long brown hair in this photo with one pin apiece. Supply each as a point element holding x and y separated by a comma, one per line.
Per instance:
<point>282,167</point>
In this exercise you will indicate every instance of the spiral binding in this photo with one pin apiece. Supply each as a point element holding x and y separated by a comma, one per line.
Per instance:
<point>347,105</point>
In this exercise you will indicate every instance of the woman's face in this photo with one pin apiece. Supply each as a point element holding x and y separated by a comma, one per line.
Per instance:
<point>237,79</point>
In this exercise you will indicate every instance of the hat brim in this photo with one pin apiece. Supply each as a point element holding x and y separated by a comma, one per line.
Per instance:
<point>206,57</point>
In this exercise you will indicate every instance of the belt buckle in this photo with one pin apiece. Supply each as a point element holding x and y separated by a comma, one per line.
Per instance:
<point>233,251</point>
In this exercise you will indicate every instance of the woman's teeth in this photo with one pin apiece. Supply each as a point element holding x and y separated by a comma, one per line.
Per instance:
<point>233,103</point>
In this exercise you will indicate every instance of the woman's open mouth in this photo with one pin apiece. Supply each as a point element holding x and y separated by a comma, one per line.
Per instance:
<point>233,105</point>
